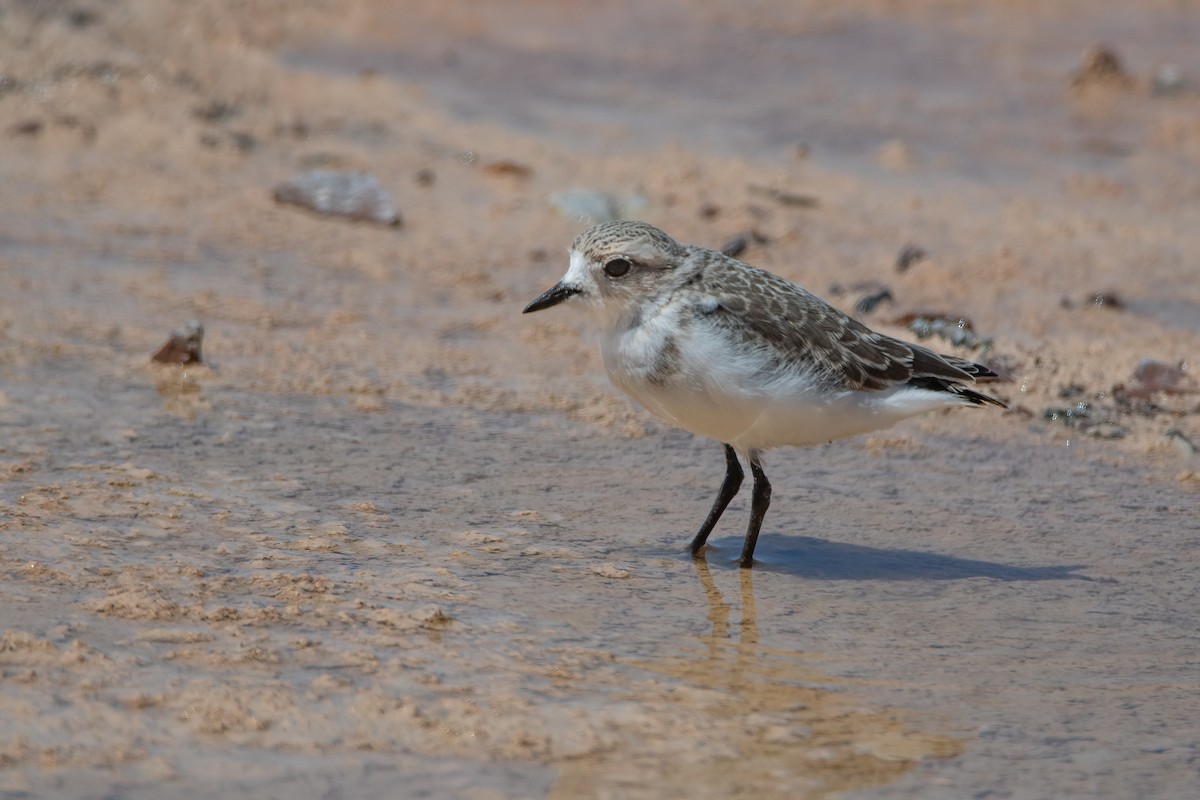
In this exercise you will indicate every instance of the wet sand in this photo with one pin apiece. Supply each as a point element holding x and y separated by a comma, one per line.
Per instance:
<point>396,538</point>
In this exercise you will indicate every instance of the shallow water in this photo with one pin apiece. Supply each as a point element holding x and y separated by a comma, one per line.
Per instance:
<point>257,573</point>
<point>293,576</point>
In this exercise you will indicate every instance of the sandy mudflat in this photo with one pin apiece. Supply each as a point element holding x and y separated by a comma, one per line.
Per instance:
<point>397,539</point>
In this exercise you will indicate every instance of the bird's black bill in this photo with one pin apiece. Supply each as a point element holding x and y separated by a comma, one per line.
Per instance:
<point>551,297</point>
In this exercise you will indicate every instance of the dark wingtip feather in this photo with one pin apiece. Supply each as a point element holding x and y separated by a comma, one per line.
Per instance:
<point>977,398</point>
<point>969,395</point>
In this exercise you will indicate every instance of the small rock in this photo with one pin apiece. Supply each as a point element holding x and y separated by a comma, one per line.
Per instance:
<point>507,169</point>
<point>738,244</point>
<point>870,302</point>
<point>909,255</point>
<point>28,127</point>
<point>1186,447</point>
<point>1101,67</point>
<point>425,177</point>
<point>959,331</point>
<point>1071,391</point>
<point>1105,430</point>
<point>82,18</point>
<point>1152,376</point>
<point>1169,80</point>
<point>610,571</point>
<point>183,347</point>
<point>431,616</point>
<point>1107,300</point>
<point>215,111</point>
<point>1067,416</point>
<point>355,195</point>
<point>785,198</point>
<point>242,141</point>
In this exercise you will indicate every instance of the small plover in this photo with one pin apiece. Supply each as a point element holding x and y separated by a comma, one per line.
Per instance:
<point>734,353</point>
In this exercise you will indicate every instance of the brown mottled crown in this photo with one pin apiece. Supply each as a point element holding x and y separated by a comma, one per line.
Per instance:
<point>640,241</point>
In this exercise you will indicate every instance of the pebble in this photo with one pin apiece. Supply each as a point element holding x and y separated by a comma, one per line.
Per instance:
<point>738,244</point>
<point>957,330</point>
<point>1186,447</point>
<point>1151,376</point>
<point>1107,300</point>
<point>1105,430</point>
<point>909,255</point>
<point>1101,66</point>
<point>183,347</point>
<point>506,168</point>
<point>870,302</point>
<point>1066,415</point>
<point>355,195</point>
<point>1169,80</point>
<point>785,198</point>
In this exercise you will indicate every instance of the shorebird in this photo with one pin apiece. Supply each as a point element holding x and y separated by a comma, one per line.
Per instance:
<point>732,352</point>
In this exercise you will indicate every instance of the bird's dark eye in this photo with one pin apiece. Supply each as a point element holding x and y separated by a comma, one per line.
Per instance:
<point>617,267</point>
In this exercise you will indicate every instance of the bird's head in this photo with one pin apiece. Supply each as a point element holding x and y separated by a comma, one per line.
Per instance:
<point>613,267</point>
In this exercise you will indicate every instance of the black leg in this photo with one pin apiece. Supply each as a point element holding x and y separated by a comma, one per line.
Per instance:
<point>729,488</point>
<point>758,509</point>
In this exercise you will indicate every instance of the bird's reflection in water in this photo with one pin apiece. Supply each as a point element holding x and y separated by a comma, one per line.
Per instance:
<point>719,613</point>
<point>725,716</point>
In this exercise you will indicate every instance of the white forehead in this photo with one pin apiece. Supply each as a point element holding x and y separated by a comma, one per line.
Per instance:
<point>577,270</point>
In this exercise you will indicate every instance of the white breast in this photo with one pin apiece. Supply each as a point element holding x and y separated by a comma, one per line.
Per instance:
<point>711,392</point>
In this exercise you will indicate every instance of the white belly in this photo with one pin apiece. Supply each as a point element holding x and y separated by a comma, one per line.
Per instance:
<point>721,391</point>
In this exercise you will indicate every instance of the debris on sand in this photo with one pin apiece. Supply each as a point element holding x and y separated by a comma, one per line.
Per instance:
<point>183,347</point>
<point>355,195</point>
<point>1101,67</point>
<point>785,198</point>
<point>1067,415</point>
<point>28,127</point>
<point>1090,419</point>
<point>738,244</point>
<point>909,255</point>
<point>1110,300</point>
<point>1169,80</point>
<point>1186,447</point>
<point>506,168</point>
<point>958,331</point>
<point>1151,377</point>
<point>1104,415</point>
<point>868,303</point>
